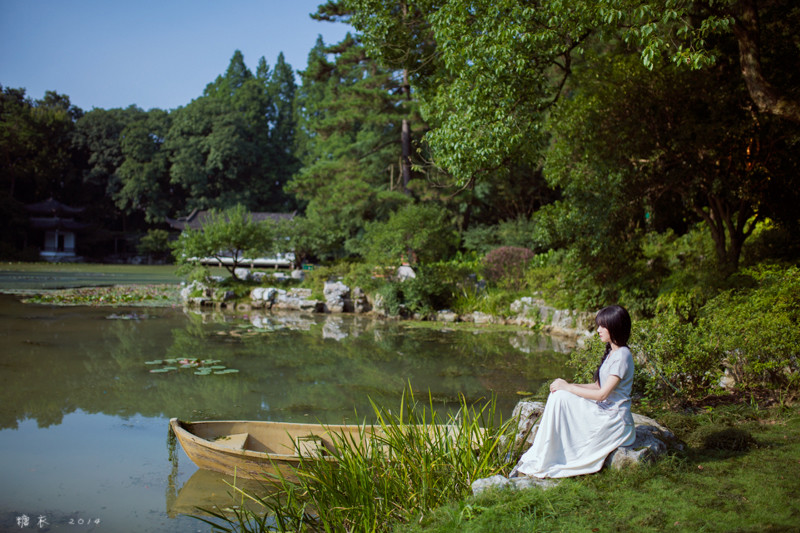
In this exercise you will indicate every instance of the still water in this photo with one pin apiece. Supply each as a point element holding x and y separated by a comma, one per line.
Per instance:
<point>84,422</point>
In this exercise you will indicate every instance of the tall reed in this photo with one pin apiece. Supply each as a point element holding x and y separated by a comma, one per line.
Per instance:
<point>399,468</point>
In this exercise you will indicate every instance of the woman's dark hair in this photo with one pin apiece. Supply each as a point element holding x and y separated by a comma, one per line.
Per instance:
<point>618,323</point>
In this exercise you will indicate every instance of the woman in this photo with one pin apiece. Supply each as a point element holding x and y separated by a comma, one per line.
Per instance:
<point>583,423</point>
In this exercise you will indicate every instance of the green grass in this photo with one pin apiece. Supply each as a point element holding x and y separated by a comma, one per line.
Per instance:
<point>704,488</point>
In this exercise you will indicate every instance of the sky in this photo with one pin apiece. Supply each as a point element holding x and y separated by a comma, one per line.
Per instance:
<point>149,53</point>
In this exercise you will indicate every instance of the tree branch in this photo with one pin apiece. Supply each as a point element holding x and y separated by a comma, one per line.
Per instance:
<point>767,98</point>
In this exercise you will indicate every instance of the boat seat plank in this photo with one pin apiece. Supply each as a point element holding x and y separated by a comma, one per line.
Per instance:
<point>234,442</point>
<point>310,446</point>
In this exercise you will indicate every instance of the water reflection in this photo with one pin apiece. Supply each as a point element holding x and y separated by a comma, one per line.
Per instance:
<point>292,366</point>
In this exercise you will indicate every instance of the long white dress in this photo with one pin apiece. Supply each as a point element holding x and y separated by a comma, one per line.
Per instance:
<point>575,434</point>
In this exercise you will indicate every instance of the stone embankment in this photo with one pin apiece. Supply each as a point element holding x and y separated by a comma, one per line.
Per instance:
<point>339,298</point>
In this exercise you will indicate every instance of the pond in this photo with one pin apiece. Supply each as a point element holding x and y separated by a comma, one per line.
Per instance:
<point>84,420</point>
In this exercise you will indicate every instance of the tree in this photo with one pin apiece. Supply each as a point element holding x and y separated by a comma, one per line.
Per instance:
<point>348,139</point>
<point>671,145</point>
<point>230,235</point>
<point>499,80</point>
<point>221,146</point>
<point>36,142</point>
<point>142,183</point>
<point>416,233</point>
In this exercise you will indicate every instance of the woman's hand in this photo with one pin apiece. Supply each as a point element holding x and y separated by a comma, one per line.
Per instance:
<point>558,384</point>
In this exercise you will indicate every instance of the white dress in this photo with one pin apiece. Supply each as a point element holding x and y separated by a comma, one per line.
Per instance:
<point>575,434</point>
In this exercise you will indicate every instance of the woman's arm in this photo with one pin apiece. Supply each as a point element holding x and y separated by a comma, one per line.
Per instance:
<point>588,391</point>
<point>593,386</point>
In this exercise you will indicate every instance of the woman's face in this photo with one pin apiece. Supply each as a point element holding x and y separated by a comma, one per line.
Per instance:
<point>602,331</point>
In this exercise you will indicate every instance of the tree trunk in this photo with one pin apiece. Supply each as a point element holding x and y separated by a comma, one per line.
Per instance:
<point>728,236</point>
<point>406,157</point>
<point>767,98</point>
<point>405,137</point>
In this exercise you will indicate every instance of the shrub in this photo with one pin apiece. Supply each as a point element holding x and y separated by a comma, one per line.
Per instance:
<point>155,244</point>
<point>756,329</point>
<point>505,266</point>
<point>418,233</point>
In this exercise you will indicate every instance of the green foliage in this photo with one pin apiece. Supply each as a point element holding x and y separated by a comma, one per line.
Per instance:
<point>416,233</point>
<point>517,232</point>
<point>749,333</point>
<point>155,243</point>
<point>506,266</point>
<point>755,328</point>
<point>228,234</point>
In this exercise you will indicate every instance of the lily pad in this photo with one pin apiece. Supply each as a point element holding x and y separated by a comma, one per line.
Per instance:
<point>218,367</point>
<point>203,372</point>
<point>227,371</point>
<point>163,369</point>
<point>154,362</point>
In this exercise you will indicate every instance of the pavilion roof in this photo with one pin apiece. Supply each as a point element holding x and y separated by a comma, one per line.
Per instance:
<point>53,207</point>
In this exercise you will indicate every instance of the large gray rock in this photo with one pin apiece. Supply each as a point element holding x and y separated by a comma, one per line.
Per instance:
<point>405,272</point>
<point>337,296</point>
<point>646,448</point>
<point>296,300</point>
<point>527,415</point>
<point>447,316</point>
<point>242,273</point>
<point>263,297</point>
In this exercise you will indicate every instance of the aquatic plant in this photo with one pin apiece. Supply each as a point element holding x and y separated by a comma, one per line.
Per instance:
<point>150,295</point>
<point>203,367</point>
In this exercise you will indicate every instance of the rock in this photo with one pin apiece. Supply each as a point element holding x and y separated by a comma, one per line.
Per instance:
<point>296,300</point>
<point>360,301</point>
<point>447,316</point>
<point>527,415</point>
<point>481,318</point>
<point>528,482</point>
<point>242,273</point>
<point>646,448</point>
<point>263,297</point>
<point>405,272</point>
<point>378,305</point>
<point>194,287</point>
<point>337,296</point>
<point>494,482</point>
<point>298,274</point>
<point>532,312</point>
<point>499,482</point>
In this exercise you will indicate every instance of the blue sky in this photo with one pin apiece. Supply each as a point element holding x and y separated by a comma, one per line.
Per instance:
<point>114,53</point>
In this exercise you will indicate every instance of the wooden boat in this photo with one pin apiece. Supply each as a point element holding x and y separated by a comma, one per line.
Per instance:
<point>250,449</point>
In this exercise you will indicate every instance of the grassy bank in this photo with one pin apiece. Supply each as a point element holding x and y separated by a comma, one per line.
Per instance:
<point>739,472</point>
